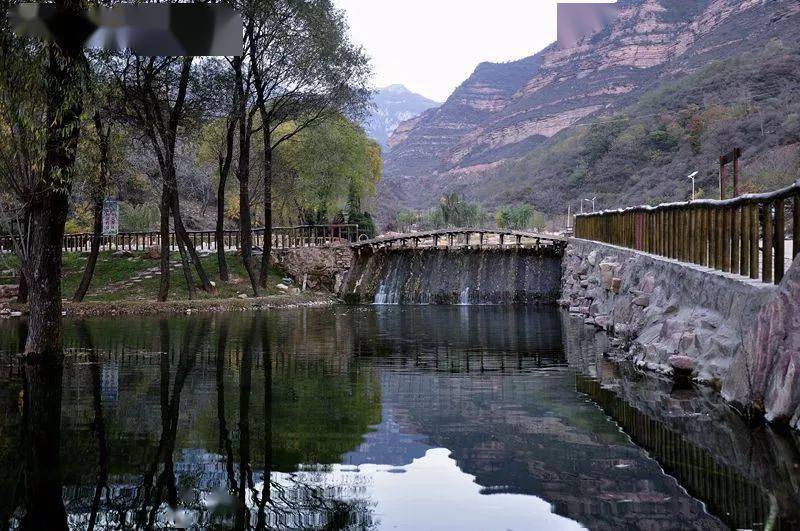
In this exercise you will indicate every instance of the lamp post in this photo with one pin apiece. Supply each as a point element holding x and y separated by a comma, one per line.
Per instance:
<point>692,176</point>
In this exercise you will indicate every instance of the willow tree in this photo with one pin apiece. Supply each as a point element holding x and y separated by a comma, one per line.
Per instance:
<point>42,87</point>
<point>305,70</point>
<point>326,172</point>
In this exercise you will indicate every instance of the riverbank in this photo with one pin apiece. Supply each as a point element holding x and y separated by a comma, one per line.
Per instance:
<point>136,307</point>
<point>126,283</point>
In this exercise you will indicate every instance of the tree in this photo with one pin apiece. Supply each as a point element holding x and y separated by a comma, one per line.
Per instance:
<point>155,91</point>
<point>42,89</point>
<point>304,70</point>
<point>326,171</point>
<point>98,188</point>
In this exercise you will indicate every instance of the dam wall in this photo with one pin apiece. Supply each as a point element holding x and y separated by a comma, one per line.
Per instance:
<point>454,276</point>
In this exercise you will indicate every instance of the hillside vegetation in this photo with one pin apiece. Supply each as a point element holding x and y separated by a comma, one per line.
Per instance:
<point>643,153</point>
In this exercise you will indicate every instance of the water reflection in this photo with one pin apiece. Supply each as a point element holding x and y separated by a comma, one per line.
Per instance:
<point>362,418</point>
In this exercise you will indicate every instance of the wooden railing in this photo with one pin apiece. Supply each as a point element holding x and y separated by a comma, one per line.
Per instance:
<point>282,238</point>
<point>745,235</point>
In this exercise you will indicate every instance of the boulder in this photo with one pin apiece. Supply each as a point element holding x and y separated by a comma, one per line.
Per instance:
<point>592,258</point>
<point>681,364</point>
<point>282,287</point>
<point>153,253</point>
<point>642,300</point>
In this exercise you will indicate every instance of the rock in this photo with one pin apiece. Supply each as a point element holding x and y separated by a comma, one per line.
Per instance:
<point>616,282</point>
<point>122,253</point>
<point>294,290</point>
<point>592,258</point>
<point>606,277</point>
<point>642,300</point>
<point>601,321</point>
<point>282,287</point>
<point>9,291</point>
<point>648,283</point>
<point>242,296</point>
<point>584,283</point>
<point>588,321</point>
<point>15,314</point>
<point>5,311</point>
<point>153,253</point>
<point>681,364</point>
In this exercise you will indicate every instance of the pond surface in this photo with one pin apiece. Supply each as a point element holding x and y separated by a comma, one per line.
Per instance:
<point>372,418</point>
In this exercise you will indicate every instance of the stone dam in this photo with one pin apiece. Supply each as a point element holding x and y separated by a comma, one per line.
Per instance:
<point>740,336</point>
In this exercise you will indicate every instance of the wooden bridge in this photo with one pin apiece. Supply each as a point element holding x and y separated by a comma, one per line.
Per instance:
<point>468,238</point>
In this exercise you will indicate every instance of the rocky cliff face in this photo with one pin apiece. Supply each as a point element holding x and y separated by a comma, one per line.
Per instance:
<point>505,111</point>
<point>392,105</point>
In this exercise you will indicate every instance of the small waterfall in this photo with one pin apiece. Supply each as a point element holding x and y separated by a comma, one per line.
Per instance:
<point>464,277</point>
<point>463,299</point>
<point>381,296</point>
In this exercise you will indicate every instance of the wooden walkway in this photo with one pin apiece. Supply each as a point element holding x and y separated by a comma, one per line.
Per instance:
<point>205,240</point>
<point>464,238</point>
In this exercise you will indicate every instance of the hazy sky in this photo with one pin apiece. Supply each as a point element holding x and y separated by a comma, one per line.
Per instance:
<point>431,46</point>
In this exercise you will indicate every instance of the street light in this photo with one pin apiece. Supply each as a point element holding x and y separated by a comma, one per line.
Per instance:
<point>692,176</point>
<point>592,200</point>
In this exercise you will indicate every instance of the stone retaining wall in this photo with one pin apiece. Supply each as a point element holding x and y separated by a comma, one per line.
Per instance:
<point>765,376</point>
<point>670,316</point>
<point>321,268</point>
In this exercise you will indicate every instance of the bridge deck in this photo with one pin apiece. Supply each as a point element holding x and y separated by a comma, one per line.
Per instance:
<point>464,238</point>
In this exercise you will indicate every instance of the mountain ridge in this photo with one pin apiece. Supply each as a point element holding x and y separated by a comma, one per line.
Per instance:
<point>505,111</point>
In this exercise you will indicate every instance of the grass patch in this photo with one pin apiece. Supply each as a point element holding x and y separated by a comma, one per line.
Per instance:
<point>112,270</point>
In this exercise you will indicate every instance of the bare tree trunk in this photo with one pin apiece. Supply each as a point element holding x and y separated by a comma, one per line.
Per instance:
<point>224,171</point>
<point>163,288</point>
<point>43,273</point>
<point>22,290</point>
<point>88,271</point>
<point>97,207</point>
<point>183,237</point>
<point>187,268</point>
<point>243,175</point>
<point>265,258</point>
<point>219,234</point>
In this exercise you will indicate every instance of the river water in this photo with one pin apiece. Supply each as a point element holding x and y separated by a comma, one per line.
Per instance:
<point>418,417</point>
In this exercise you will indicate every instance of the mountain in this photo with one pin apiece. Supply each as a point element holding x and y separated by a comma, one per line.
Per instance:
<point>392,105</point>
<point>665,88</point>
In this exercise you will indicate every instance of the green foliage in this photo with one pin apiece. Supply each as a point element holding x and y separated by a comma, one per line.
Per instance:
<point>366,225</point>
<point>601,136</point>
<point>521,217</point>
<point>326,171</point>
<point>138,218</point>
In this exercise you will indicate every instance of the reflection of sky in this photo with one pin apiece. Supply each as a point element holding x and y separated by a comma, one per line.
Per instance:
<point>387,444</point>
<point>433,493</point>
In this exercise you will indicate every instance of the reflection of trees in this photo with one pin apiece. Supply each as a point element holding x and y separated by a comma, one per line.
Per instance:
<point>98,425</point>
<point>158,484</point>
<point>275,504</point>
<point>41,416</point>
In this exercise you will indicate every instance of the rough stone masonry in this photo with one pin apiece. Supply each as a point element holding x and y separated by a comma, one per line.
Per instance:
<point>740,335</point>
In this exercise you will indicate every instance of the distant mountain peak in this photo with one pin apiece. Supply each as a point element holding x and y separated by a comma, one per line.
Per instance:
<point>394,88</point>
<point>392,105</point>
